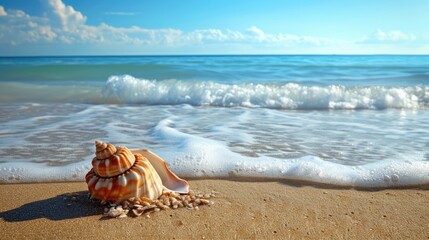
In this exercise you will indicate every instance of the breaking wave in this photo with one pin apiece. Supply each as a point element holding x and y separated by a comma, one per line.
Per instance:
<point>130,90</point>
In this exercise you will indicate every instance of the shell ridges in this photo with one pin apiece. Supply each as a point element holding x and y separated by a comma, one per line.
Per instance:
<point>122,174</point>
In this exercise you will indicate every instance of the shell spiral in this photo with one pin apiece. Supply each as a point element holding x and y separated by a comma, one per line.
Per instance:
<point>118,175</point>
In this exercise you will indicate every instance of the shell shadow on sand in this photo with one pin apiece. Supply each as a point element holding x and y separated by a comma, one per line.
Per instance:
<point>61,207</point>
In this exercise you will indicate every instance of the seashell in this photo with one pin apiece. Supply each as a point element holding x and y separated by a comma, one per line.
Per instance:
<point>104,150</point>
<point>138,212</point>
<point>115,212</point>
<point>114,163</point>
<point>164,207</point>
<point>169,180</point>
<point>119,174</point>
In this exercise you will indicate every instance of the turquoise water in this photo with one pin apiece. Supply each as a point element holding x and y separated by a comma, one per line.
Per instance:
<point>345,120</point>
<point>386,70</point>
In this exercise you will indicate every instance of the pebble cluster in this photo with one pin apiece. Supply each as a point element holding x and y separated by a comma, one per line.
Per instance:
<point>168,200</point>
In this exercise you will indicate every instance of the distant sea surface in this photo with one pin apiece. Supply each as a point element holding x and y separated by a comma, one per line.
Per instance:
<point>342,120</point>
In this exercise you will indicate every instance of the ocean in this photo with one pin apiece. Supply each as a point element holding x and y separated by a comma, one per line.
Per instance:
<point>359,121</point>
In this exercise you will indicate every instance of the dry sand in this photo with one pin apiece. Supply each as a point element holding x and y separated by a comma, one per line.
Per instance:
<point>242,210</point>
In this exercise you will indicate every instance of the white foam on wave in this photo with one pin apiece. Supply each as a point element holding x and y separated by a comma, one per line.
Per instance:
<point>211,161</point>
<point>128,89</point>
<point>194,156</point>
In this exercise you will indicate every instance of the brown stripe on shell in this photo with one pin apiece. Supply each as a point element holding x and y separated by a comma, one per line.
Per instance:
<point>104,150</point>
<point>114,165</point>
<point>141,180</point>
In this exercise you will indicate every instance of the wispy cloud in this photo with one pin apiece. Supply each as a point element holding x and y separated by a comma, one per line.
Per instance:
<point>396,36</point>
<point>122,13</point>
<point>255,33</point>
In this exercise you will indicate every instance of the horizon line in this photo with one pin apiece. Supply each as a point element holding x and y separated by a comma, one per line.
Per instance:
<point>209,55</point>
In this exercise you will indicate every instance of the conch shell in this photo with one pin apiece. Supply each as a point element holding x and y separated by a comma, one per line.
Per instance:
<point>119,173</point>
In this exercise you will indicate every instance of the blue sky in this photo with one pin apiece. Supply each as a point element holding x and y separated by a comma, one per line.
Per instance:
<point>95,27</point>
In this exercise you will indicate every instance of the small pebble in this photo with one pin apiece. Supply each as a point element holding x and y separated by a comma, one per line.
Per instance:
<point>167,200</point>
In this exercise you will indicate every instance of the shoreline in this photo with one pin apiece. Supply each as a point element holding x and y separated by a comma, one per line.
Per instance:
<point>286,181</point>
<point>243,208</point>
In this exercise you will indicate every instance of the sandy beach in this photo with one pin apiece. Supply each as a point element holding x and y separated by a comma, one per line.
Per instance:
<point>243,209</point>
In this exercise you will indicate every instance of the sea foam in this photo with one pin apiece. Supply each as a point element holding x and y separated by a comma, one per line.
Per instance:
<point>131,90</point>
<point>197,157</point>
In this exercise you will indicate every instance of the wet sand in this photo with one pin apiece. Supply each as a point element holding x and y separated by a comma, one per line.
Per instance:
<point>243,209</point>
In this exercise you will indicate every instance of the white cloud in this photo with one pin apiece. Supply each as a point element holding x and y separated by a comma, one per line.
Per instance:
<point>380,36</point>
<point>257,33</point>
<point>17,27</point>
<point>210,36</point>
<point>2,11</point>
<point>65,26</point>
<point>68,17</point>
